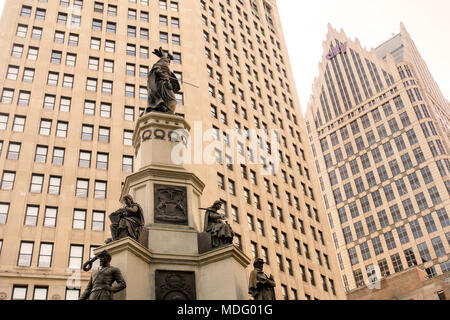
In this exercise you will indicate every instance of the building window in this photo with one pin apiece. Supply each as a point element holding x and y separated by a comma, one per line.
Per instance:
<point>87,132</point>
<point>84,160</point>
<point>98,220</point>
<point>40,293</point>
<point>41,154</point>
<point>91,85</point>
<point>61,129</point>
<point>127,138</point>
<point>37,181</point>
<point>13,72</point>
<point>54,185</point>
<point>76,256</point>
<point>58,156</point>
<point>127,164</point>
<point>45,255</point>
<point>82,190</point>
<point>31,215</point>
<point>28,75</point>
<point>95,43</point>
<point>25,254</point>
<point>64,104</point>
<point>103,134</point>
<point>79,219</point>
<point>72,294</point>
<point>8,180</point>
<point>397,262</point>
<point>50,217</point>
<point>438,246</point>
<point>13,151</point>
<point>71,61</point>
<point>73,39</point>
<point>100,189</point>
<point>19,292</point>
<point>102,161</point>
<point>7,98</point>
<point>105,110</point>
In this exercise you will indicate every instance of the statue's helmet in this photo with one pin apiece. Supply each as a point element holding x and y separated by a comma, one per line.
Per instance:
<point>127,196</point>
<point>106,254</point>
<point>217,203</point>
<point>258,261</point>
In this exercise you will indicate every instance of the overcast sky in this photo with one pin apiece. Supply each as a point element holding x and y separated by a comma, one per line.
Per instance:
<point>373,22</point>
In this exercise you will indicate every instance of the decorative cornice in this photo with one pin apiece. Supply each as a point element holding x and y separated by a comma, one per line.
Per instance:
<point>127,244</point>
<point>151,172</point>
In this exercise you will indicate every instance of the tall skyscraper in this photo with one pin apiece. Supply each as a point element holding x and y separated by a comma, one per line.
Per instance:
<point>379,129</point>
<point>73,82</point>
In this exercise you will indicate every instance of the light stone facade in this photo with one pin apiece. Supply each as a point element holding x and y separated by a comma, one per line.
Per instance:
<point>105,47</point>
<point>378,125</point>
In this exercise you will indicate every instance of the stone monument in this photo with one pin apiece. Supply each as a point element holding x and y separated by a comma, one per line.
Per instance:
<point>166,260</point>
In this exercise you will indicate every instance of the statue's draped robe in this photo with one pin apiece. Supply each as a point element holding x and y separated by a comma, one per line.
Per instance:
<point>260,286</point>
<point>129,224</point>
<point>221,233</point>
<point>162,85</point>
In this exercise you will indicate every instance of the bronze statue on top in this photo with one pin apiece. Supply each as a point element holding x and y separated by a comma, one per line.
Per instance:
<point>260,285</point>
<point>127,221</point>
<point>162,85</point>
<point>100,284</point>
<point>221,232</point>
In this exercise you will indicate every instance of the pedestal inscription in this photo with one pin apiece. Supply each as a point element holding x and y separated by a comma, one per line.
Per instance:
<point>170,205</point>
<point>175,285</point>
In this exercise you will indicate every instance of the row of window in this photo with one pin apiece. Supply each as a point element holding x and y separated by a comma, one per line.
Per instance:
<point>266,147</point>
<point>64,106</point>
<point>416,230</point>
<point>45,128</point>
<point>46,252</point>
<point>231,28</point>
<point>366,123</point>
<point>54,185</point>
<point>84,160</point>
<point>397,265</point>
<point>50,217</point>
<point>413,179</point>
<point>95,44</point>
<point>20,292</point>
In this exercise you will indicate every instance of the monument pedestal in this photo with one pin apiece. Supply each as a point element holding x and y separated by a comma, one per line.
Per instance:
<point>167,262</point>
<point>215,275</point>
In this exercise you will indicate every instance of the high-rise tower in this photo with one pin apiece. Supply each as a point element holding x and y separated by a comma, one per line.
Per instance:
<point>73,83</point>
<point>379,127</point>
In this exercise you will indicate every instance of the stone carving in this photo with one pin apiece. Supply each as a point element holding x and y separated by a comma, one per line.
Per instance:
<point>170,205</point>
<point>161,134</point>
<point>101,281</point>
<point>162,85</point>
<point>260,286</point>
<point>127,221</point>
<point>217,225</point>
<point>175,285</point>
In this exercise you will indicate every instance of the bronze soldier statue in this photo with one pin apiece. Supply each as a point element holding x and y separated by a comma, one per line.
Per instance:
<point>221,232</point>
<point>100,285</point>
<point>127,221</point>
<point>260,286</point>
<point>162,84</point>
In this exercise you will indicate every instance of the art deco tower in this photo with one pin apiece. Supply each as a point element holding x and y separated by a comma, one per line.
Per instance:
<point>379,128</point>
<point>73,83</point>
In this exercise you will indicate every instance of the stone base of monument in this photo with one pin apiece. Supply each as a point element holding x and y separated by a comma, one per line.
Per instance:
<point>219,274</point>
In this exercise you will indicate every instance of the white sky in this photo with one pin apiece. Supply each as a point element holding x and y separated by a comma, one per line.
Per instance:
<point>373,22</point>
